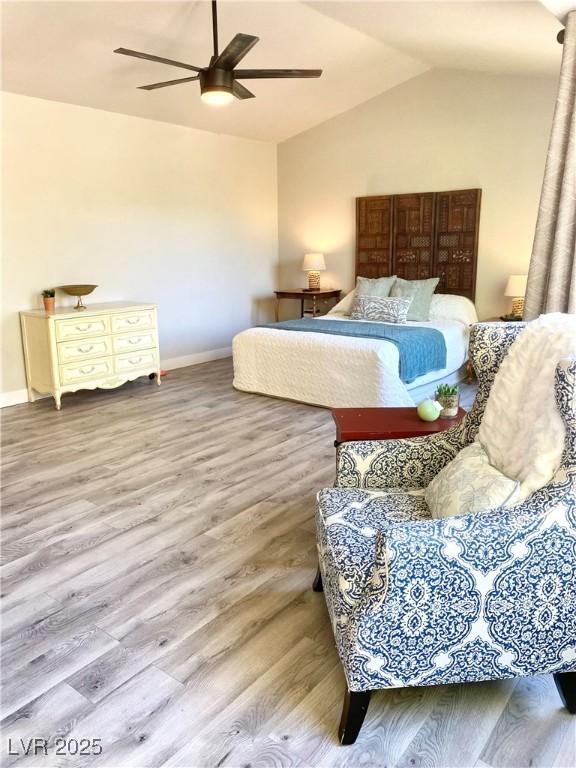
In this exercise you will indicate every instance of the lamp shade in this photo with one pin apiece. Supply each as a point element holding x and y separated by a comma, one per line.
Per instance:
<point>516,285</point>
<point>313,262</point>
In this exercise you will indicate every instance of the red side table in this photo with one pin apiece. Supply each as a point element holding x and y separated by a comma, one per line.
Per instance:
<point>386,423</point>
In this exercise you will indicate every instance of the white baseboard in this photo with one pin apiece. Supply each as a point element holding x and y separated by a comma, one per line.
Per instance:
<point>19,396</point>
<point>196,359</point>
<point>16,397</point>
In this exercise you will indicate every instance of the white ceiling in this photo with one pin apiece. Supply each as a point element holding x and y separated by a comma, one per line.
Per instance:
<point>63,51</point>
<point>512,37</point>
<point>560,8</point>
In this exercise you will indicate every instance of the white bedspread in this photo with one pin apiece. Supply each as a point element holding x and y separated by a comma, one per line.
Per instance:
<point>337,371</point>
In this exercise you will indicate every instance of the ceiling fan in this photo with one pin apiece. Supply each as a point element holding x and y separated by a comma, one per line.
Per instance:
<point>219,80</point>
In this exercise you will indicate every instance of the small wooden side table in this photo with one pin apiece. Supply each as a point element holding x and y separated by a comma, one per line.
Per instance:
<point>303,295</point>
<point>386,423</point>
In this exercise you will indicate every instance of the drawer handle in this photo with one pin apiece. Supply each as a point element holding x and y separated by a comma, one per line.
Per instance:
<point>83,328</point>
<point>135,360</point>
<point>134,341</point>
<point>89,348</point>
<point>132,320</point>
<point>86,371</point>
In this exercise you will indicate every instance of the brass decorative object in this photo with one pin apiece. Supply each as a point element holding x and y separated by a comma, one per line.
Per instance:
<point>79,291</point>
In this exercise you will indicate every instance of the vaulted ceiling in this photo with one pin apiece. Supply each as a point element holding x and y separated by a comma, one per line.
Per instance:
<point>63,51</point>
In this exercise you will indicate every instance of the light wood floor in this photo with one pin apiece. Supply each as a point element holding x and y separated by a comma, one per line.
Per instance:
<point>158,551</point>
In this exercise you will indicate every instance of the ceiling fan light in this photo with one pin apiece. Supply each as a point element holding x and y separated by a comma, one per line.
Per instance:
<point>216,87</point>
<point>217,98</point>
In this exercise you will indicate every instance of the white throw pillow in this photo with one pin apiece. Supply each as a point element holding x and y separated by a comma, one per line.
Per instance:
<point>522,430</point>
<point>380,310</point>
<point>469,484</point>
<point>344,306</point>
<point>447,306</point>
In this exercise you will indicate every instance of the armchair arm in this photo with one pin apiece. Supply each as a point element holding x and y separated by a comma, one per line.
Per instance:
<point>472,597</point>
<point>410,463</point>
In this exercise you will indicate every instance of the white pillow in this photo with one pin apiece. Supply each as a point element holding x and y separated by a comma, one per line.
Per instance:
<point>380,310</point>
<point>521,430</point>
<point>344,306</point>
<point>447,306</point>
<point>469,484</point>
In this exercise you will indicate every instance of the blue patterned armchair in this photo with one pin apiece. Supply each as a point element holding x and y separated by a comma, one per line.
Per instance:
<point>415,601</point>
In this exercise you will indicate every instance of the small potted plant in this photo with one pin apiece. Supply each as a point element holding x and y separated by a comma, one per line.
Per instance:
<point>448,395</point>
<point>48,299</point>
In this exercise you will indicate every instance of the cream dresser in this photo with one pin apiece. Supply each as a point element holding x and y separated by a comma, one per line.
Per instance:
<point>103,346</point>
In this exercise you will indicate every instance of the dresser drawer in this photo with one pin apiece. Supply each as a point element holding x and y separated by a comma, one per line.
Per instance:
<point>72,351</point>
<point>129,342</point>
<point>136,360</point>
<point>133,321</point>
<point>97,325</point>
<point>85,371</point>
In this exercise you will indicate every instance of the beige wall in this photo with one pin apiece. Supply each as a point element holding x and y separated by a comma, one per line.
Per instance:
<point>147,210</point>
<point>188,219</point>
<point>442,130</point>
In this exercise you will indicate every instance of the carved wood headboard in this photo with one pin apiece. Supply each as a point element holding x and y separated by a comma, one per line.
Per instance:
<point>421,235</point>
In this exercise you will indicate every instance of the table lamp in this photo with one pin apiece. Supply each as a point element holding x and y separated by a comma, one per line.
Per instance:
<point>516,288</point>
<point>313,264</point>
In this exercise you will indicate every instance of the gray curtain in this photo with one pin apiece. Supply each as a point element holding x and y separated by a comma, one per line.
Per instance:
<point>552,275</point>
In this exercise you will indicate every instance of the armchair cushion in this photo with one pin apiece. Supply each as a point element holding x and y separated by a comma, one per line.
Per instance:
<point>522,430</point>
<point>469,484</point>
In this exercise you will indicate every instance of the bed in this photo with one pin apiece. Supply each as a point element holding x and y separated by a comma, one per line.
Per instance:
<point>416,236</point>
<point>341,371</point>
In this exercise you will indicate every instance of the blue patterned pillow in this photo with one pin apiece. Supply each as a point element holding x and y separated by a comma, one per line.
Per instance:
<point>380,310</point>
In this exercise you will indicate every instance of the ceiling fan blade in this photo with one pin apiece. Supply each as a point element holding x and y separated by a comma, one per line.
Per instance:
<point>166,83</point>
<point>240,92</point>
<point>257,74</point>
<point>235,51</point>
<point>159,59</point>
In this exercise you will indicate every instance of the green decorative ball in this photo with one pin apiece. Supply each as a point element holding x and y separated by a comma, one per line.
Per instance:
<point>429,410</point>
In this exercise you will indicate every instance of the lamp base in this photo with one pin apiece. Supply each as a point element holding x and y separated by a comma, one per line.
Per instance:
<point>518,307</point>
<point>313,281</point>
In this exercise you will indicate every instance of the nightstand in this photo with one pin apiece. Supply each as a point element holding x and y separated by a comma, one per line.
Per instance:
<point>302,296</point>
<point>386,424</point>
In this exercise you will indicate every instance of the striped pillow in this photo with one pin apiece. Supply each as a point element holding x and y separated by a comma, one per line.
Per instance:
<point>390,310</point>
